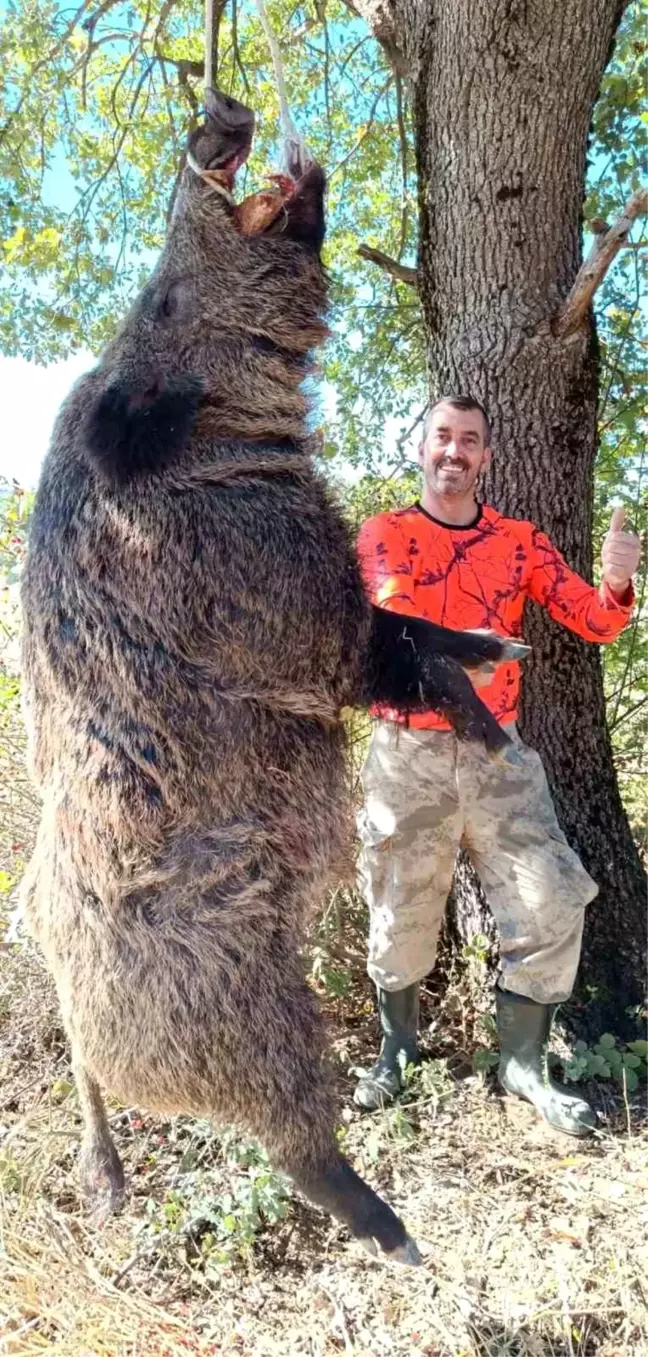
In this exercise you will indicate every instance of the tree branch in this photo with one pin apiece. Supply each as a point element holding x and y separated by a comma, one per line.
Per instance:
<point>45,60</point>
<point>593,270</point>
<point>365,131</point>
<point>91,22</point>
<point>385,261</point>
<point>379,16</point>
<point>237,54</point>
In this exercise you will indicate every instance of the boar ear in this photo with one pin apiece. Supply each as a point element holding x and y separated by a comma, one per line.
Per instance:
<point>132,430</point>
<point>305,220</point>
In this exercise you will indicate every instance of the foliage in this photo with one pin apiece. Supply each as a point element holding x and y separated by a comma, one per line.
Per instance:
<point>617,154</point>
<point>627,1064</point>
<point>205,1229</point>
<point>608,1058</point>
<point>429,1084</point>
<point>427,1088</point>
<point>17,799</point>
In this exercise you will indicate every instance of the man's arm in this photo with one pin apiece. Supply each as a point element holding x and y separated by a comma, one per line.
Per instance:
<point>595,614</point>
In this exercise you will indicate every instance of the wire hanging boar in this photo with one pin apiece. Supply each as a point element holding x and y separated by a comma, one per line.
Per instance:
<point>194,623</point>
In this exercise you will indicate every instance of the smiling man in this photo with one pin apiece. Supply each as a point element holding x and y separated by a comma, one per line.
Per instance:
<point>458,562</point>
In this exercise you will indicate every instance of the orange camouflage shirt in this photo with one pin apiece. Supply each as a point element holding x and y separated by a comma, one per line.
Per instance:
<point>479,576</point>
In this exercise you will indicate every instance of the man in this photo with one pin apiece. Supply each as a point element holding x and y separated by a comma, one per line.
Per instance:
<point>457,562</point>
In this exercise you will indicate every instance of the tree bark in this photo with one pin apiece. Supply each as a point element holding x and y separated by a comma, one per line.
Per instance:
<point>502,94</point>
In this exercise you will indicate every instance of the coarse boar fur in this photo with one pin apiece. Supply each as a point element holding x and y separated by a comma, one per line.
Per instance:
<point>194,624</point>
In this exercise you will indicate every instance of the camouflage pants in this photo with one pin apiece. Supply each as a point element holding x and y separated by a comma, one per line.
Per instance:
<point>427,794</point>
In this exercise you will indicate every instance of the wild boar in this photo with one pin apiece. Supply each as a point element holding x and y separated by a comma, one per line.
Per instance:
<point>194,624</point>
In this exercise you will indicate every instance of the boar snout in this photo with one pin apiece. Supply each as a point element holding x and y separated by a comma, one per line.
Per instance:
<point>228,112</point>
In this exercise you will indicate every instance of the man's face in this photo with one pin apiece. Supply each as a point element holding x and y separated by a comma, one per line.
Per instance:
<point>454,451</point>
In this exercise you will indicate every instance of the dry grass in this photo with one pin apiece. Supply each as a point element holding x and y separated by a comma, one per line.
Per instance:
<point>534,1246</point>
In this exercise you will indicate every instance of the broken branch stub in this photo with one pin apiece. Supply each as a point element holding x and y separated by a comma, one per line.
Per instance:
<point>403,272</point>
<point>592,272</point>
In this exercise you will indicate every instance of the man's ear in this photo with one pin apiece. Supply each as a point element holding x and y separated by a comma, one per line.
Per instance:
<point>421,453</point>
<point>487,459</point>
<point>305,220</point>
<point>132,430</point>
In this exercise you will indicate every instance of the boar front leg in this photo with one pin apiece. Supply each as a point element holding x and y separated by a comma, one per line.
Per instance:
<point>413,665</point>
<point>100,1170</point>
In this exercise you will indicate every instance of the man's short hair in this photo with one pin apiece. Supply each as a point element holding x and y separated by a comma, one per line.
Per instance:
<point>459,403</point>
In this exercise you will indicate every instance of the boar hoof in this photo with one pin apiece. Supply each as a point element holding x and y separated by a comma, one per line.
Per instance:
<point>508,756</point>
<point>102,1178</point>
<point>407,1254</point>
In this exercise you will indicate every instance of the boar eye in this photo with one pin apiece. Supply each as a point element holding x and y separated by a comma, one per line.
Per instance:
<point>170,303</point>
<point>173,301</point>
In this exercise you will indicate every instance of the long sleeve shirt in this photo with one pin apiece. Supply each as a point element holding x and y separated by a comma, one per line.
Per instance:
<point>480,576</point>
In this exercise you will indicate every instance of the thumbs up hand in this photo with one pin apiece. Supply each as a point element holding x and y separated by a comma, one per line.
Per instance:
<point>620,554</point>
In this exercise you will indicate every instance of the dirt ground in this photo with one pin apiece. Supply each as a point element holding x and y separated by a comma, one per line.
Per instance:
<point>533,1245</point>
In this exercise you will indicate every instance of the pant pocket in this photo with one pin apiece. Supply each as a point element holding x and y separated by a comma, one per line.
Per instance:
<point>375,868</point>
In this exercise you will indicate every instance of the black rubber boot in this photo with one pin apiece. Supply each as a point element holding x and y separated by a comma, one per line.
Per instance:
<point>398,1012</point>
<point>524,1028</point>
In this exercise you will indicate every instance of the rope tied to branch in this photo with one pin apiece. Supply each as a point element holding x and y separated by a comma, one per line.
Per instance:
<point>210,46</point>
<point>295,153</point>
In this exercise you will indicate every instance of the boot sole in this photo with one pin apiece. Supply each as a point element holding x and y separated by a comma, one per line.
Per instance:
<point>376,1102</point>
<point>580,1133</point>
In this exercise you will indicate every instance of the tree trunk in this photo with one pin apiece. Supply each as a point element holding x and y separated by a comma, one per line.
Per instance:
<point>502,94</point>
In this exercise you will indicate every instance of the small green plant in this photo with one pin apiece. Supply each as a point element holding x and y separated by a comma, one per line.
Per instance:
<point>476,981</point>
<point>210,1228</point>
<point>426,1087</point>
<point>334,980</point>
<point>484,1060</point>
<point>477,951</point>
<point>626,1064</point>
<point>391,1130</point>
<point>428,1082</point>
<point>11,1178</point>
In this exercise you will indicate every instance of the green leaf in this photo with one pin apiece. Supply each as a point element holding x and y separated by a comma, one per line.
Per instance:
<point>639,1048</point>
<point>630,1080</point>
<point>607,1041</point>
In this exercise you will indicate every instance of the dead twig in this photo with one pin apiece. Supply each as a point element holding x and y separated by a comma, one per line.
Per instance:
<point>402,272</point>
<point>593,271</point>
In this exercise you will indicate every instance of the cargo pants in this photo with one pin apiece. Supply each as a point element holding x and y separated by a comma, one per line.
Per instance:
<point>426,793</point>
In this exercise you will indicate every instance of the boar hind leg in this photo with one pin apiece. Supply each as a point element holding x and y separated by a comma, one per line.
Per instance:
<point>334,1185</point>
<point>287,1104</point>
<point>100,1171</point>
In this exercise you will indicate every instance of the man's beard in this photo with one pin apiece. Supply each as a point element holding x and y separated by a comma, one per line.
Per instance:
<point>459,478</point>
